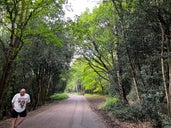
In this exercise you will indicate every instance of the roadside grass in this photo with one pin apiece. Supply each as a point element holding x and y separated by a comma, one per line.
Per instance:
<point>109,104</point>
<point>94,95</point>
<point>109,101</point>
<point>76,93</point>
<point>59,96</point>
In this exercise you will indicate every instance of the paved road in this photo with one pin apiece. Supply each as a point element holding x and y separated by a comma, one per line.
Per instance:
<point>71,113</point>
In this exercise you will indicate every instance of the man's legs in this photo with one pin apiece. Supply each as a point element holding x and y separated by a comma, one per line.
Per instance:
<point>13,122</point>
<point>19,121</point>
<point>14,116</point>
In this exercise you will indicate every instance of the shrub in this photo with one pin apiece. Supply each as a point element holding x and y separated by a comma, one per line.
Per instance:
<point>109,104</point>
<point>59,96</point>
<point>146,110</point>
<point>124,111</point>
<point>166,122</point>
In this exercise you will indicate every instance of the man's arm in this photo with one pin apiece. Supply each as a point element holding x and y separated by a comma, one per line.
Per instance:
<point>28,100</point>
<point>13,100</point>
<point>12,105</point>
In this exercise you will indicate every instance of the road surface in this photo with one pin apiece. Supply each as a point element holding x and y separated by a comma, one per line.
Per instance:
<point>71,113</point>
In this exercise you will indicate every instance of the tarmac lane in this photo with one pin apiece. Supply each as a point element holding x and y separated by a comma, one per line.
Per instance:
<point>73,112</point>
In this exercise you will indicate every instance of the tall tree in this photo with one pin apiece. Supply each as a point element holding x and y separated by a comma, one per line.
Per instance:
<point>15,17</point>
<point>94,33</point>
<point>123,9</point>
<point>159,15</point>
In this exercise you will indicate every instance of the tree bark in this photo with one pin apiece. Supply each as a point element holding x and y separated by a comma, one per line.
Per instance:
<point>166,87</point>
<point>135,81</point>
<point>119,76</point>
<point>165,33</point>
<point>169,64</point>
<point>120,12</point>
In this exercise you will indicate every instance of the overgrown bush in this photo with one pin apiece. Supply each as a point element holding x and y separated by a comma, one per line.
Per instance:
<point>146,110</point>
<point>124,111</point>
<point>109,104</point>
<point>166,122</point>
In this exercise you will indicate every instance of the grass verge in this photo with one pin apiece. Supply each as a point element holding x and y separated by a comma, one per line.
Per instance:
<point>59,96</point>
<point>93,95</point>
<point>109,104</point>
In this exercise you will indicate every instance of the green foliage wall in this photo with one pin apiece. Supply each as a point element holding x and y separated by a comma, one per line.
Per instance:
<point>42,57</point>
<point>124,42</point>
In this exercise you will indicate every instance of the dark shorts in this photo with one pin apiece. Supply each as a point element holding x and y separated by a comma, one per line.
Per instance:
<point>15,114</point>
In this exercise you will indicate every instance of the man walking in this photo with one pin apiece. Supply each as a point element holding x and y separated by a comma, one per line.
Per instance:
<point>19,103</point>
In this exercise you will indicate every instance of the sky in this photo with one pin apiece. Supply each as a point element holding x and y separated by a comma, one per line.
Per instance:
<point>76,7</point>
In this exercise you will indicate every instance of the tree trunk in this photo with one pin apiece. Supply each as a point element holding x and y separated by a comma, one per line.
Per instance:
<point>119,76</point>
<point>6,72</point>
<point>165,33</point>
<point>135,82</point>
<point>39,93</point>
<point>49,84</point>
<point>169,64</point>
<point>166,86</point>
<point>120,11</point>
<point>3,79</point>
<point>133,73</point>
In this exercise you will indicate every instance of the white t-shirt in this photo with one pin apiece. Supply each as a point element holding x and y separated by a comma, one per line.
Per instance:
<point>20,102</point>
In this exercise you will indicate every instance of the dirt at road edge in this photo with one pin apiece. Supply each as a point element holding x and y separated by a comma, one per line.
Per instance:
<point>111,122</point>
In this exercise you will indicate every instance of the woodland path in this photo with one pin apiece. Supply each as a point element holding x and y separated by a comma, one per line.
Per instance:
<point>73,112</point>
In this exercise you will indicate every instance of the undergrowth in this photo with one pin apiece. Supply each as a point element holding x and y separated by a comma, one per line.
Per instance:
<point>59,96</point>
<point>146,110</point>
